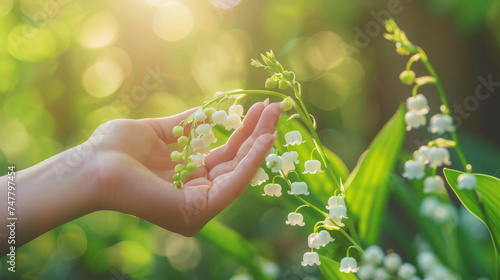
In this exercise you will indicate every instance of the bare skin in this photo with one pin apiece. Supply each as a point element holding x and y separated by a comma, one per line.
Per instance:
<point>125,166</point>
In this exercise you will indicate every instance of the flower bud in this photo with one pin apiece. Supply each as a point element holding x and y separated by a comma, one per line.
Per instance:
<point>270,83</point>
<point>182,141</point>
<point>286,104</point>
<point>176,156</point>
<point>178,131</point>
<point>191,167</point>
<point>178,184</point>
<point>283,84</point>
<point>209,111</point>
<point>184,174</point>
<point>178,168</point>
<point>176,177</point>
<point>407,77</point>
<point>401,50</point>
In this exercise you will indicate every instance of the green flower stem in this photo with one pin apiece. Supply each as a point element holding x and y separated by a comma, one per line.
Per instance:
<point>352,230</point>
<point>446,110</point>
<point>243,91</point>
<point>326,216</point>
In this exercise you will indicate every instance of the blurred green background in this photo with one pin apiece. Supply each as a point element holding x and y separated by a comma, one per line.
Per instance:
<point>68,66</point>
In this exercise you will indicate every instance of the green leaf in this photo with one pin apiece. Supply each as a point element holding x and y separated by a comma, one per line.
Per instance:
<point>488,190</point>
<point>330,270</point>
<point>368,185</point>
<point>233,244</point>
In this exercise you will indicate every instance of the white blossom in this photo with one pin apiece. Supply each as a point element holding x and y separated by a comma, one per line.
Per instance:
<point>293,138</point>
<point>208,138</point>
<point>219,117</point>
<point>392,262</point>
<point>365,271</point>
<point>438,156</point>
<point>414,169</point>
<point>312,166</point>
<point>414,120</point>
<point>348,265</point>
<point>434,184</point>
<point>236,110</point>
<point>426,261</point>
<point>422,154</point>
<point>299,188</point>
<point>338,211</point>
<point>272,190</point>
<point>440,272</point>
<point>204,129</point>
<point>260,177</point>
<point>321,239</point>
<point>199,116</point>
<point>199,159</point>
<point>197,144</point>
<point>407,271</point>
<point>289,160</point>
<point>373,254</point>
<point>467,182</point>
<point>295,219</point>
<point>232,121</point>
<point>428,206</point>
<point>417,104</point>
<point>441,123</point>
<point>330,225</point>
<point>381,274</point>
<point>335,200</point>
<point>274,162</point>
<point>310,258</point>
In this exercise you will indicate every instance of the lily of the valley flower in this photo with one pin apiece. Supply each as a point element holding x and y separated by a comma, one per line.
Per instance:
<point>289,160</point>
<point>204,129</point>
<point>467,182</point>
<point>441,123</point>
<point>310,258</point>
<point>414,169</point>
<point>321,239</point>
<point>274,162</point>
<point>434,184</point>
<point>348,265</point>
<point>260,177</point>
<point>236,110</point>
<point>295,219</point>
<point>414,120</point>
<point>198,159</point>
<point>335,200</point>
<point>272,190</point>
<point>373,255</point>
<point>293,138</point>
<point>219,117</point>
<point>392,262</point>
<point>366,271</point>
<point>312,166</point>
<point>422,154</point>
<point>199,116</point>
<point>299,188</point>
<point>232,121</point>
<point>417,104</point>
<point>426,261</point>
<point>407,271</point>
<point>338,211</point>
<point>438,156</point>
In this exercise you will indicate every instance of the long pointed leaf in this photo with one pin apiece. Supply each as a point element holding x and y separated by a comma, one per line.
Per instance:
<point>330,270</point>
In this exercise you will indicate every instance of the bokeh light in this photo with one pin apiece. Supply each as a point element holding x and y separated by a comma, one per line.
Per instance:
<point>225,4</point>
<point>102,78</point>
<point>99,30</point>
<point>173,21</point>
<point>183,253</point>
<point>71,242</point>
<point>5,7</point>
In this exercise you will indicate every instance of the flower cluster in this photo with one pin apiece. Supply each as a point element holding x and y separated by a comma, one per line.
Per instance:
<point>195,143</point>
<point>377,265</point>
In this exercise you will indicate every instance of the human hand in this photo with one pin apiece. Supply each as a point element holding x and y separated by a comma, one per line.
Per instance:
<point>134,170</point>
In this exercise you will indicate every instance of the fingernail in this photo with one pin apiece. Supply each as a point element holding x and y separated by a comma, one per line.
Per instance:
<point>275,134</point>
<point>266,102</point>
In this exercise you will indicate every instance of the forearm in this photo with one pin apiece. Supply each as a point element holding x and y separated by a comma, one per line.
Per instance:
<point>47,195</point>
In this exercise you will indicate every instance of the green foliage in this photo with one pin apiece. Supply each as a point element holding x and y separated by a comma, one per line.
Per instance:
<point>367,187</point>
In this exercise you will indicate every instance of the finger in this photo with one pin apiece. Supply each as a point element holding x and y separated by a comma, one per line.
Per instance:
<point>267,124</point>
<point>239,136</point>
<point>163,126</point>
<point>228,187</point>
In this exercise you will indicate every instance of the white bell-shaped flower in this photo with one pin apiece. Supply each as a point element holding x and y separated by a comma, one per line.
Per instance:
<point>198,159</point>
<point>467,181</point>
<point>321,239</point>
<point>299,188</point>
<point>426,261</point>
<point>444,213</point>
<point>414,120</point>
<point>381,273</point>
<point>440,272</point>
<point>295,219</point>
<point>232,122</point>
<point>204,129</point>
<point>199,116</point>
<point>219,117</point>
<point>236,110</point>
<point>373,255</point>
<point>441,123</point>
<point>312,166</point>
<point>348,265</point>
<point>365,271</point>
<point>335,200</point>
<point>422,154</point>
<point>293,138</point>
<point>274,162</point>
<point>434,184</point>
<point>417,104</point>
<point>338,211</point>
<point>337,222</point>
<point>272,190</point>
<point>407,271</point>
<point>310,258</point>
<point>260,177</point>
<point>208,138</point>
<point>392,262</point>
<point>428,206</point>
<point>289,160</point>
<point>197,144</point>
<point>413,169</point>
<point>438,156</point>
